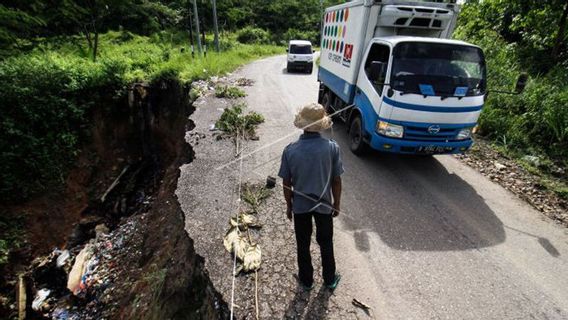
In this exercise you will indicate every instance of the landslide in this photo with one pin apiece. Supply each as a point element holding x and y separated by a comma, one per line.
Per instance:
<point>124,180</point>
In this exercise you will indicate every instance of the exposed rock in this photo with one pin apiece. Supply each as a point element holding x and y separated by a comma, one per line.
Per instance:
<point>500,166</point>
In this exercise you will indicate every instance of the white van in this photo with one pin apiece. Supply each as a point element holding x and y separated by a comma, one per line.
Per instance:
<point>300,56</point>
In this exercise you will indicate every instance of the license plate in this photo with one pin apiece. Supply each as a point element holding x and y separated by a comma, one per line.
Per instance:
<point>433,149</point>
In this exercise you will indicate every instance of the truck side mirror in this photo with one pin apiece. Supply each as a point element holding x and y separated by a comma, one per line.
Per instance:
<point>377,70</point>
<point>521,82</point>
<point>313,51</point>
<point>286,49</point>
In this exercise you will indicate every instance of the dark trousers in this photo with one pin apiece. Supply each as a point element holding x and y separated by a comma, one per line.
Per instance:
<point>324,237</point>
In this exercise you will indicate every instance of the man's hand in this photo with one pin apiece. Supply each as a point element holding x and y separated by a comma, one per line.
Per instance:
<point>336,191</point>
<point>287,188</point>
<point>336,209</point>
<point>289,213</point>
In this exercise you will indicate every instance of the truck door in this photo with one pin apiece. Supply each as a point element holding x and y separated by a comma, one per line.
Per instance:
<point>373,75</point>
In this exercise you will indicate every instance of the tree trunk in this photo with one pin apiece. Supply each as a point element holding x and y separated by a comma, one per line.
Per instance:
<point>560,36</point>
<point>88,37</point>
<point>215,25</point>
<point>96,45</point>
<point>196,17</point>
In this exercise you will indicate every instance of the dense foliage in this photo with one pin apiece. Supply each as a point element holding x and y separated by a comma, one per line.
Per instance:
<point>25,23</point>
<point>523,35</point>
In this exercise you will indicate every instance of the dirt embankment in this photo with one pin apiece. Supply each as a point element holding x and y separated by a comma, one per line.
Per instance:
<point>118,204</point>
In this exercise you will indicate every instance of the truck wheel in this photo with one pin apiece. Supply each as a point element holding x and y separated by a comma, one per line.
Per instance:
<point>288,68</point>
<point>356,143</point>
<point>326,103</point>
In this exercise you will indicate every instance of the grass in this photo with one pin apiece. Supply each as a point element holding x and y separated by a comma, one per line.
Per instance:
<point>156,280</point>
<point>145,58</point>
<point>229,92</point>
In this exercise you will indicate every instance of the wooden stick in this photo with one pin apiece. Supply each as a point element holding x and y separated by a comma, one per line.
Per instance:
<point>114,183</point>
<point>22,299</point>
<point>256,292</point>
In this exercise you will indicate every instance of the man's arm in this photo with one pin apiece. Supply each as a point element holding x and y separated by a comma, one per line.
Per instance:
<point>336,191</point>
<point>287,187</point>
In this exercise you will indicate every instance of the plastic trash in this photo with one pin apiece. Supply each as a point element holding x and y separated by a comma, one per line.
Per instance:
<point>60,314</point>
<point>40,299</point>
<point>79,268</point>
<point>63,256</point>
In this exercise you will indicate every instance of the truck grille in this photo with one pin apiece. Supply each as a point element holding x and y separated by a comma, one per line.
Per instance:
<point>420,133</point>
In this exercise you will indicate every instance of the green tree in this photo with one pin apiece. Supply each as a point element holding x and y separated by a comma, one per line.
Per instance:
<point>536,27</point>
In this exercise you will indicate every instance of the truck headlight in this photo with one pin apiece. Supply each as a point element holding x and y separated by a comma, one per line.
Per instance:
<point>389,129</point>
<point>310,59</point>
<point>464,134</point>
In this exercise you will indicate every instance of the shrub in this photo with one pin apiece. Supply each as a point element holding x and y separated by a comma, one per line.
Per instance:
<point>234,122</point>
<point>295,34</point>
<point>253,35</point>
<point>44,101</point>
<point>223,91</point>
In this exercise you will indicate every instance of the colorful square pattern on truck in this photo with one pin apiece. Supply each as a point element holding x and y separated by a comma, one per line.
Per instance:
<point>338,50</point>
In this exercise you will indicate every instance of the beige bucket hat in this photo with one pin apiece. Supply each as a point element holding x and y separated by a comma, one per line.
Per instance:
<point>312,117</point>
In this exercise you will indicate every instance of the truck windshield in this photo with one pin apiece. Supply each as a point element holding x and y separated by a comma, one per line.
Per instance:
<point>300,49</point>
<point>448,68</point>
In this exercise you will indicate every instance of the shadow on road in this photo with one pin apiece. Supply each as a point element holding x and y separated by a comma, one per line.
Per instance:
<point>545,243</point>
<point>317,306</point>
<point>413,203</point>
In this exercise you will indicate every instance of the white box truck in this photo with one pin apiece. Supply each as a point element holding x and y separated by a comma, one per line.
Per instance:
<point>390,71</point>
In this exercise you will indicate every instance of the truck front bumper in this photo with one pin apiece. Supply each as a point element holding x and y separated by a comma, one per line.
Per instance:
<point>382,143</point>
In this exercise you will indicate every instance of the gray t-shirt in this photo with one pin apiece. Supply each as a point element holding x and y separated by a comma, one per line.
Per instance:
<point>311,163</point>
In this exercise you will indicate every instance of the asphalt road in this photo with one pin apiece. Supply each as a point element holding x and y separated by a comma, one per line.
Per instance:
<point>422,238</point>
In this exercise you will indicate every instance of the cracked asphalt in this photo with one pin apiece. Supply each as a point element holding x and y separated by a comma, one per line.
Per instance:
<point>419,238</point>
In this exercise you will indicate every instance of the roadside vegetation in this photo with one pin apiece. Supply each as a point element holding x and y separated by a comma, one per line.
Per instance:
<point>237,124</point>
<point>525,36</point>
<point>230,92</point>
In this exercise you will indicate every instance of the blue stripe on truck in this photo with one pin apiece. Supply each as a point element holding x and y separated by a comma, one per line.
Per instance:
<point>370,117</point>
<point>419,107</point>
<point>336,84</point>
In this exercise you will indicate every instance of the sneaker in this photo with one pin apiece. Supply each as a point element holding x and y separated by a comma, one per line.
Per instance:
<point>305,287</point>
<point>335,282</point>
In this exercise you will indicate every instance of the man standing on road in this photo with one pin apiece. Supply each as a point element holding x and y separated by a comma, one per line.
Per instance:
<point>311,170</point>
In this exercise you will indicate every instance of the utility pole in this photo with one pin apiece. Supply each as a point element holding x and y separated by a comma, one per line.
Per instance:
<point>196,17</point>
<point>321,22</point>
<point>216,39</point>
<point>190,22</point>
<point>204,41</point>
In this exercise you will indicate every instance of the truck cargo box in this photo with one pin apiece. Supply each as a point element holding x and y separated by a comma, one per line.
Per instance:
<point>347,28</point>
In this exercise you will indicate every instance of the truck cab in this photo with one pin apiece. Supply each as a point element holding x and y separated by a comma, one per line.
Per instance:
<point>390,71</point>
<point>300,56</point>
<point>418,95</point>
